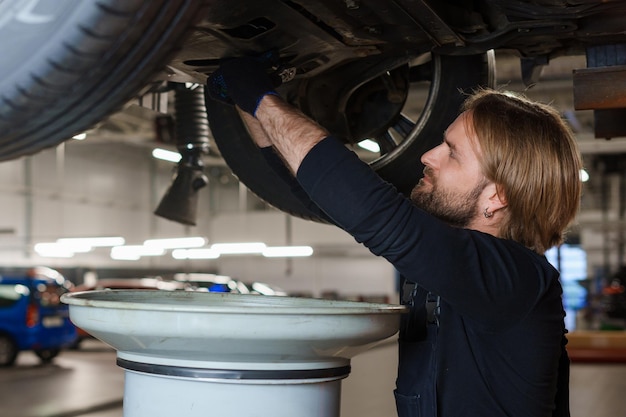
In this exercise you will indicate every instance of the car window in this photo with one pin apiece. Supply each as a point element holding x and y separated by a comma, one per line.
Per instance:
<point>11,293</point>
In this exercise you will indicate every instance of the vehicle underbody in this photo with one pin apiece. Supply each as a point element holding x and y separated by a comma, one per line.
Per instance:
<point>352,65</point>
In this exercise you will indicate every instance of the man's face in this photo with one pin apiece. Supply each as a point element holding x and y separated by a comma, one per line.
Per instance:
<point>453,181</point>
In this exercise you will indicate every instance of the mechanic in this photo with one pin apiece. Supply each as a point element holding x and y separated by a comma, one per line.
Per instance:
<point>485,335</point>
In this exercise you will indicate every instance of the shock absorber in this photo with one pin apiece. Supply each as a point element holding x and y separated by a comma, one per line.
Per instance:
<point>180,203</point>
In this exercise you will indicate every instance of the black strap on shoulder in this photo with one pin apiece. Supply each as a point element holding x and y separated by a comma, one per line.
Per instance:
<point>433,308</point>
<point>424,309</point>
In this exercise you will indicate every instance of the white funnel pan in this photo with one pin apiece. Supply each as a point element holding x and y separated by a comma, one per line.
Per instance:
<point>192,354</point>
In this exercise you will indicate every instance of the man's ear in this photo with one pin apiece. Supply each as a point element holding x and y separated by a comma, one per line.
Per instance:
<point>497,198</point>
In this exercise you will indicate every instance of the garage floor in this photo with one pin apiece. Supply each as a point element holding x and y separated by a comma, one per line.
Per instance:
<point>88,383</point>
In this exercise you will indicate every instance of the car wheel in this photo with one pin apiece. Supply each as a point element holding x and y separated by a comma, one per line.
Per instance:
<point>8,351</point>
<point>67,64</point>
<point>412,102</point>
<point>76,344</point>
<point>46,355</point>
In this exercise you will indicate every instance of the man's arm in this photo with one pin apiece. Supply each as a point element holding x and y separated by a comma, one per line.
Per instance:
<point>255,130</point>
<point>277,163</point>
<point>292,133</point>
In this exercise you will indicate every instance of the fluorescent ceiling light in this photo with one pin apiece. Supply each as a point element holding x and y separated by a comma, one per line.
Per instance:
<point>369,145</point>
<point>176,243</point>
<point>166,155</point>
<point>80,136</point>
<point>53,250</point>
<point>287,251</point>
<point>93,241</point>
<point>61,247</point>
<point>134,252</point>
<point>120,256</point>
<point>203,253</point>
<point>239,248</point>
<point>67,247</point>
<point>76,247</point>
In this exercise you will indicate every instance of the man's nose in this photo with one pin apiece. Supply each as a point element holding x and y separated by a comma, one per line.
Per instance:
<point>428,158</point>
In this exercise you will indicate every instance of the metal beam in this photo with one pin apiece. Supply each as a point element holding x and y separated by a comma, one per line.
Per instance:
<point>600,88</point>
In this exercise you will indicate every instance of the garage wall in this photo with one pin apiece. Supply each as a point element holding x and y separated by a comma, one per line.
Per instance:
<point>111,189</point>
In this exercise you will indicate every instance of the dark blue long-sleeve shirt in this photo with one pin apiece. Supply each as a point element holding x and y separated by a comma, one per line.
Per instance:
<point>501,330</point>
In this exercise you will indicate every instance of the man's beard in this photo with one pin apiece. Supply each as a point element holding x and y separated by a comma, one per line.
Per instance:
<point>453,208</point>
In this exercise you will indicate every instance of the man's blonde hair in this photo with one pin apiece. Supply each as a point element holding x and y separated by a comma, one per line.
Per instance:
<point>531,154</point>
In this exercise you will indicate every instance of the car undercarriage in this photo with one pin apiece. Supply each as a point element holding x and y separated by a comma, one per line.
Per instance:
<point>355,66</point>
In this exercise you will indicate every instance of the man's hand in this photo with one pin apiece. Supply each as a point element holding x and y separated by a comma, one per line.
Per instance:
<point>216,87</point>
<point>245,81</point>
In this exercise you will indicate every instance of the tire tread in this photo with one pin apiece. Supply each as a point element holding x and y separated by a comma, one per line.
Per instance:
<point>75,97</point>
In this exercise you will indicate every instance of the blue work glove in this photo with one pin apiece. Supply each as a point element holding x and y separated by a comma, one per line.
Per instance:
<point>216,87</point>
<point>245,81</point>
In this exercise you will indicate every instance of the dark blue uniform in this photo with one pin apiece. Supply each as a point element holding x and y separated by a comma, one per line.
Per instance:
<point>492,340</point>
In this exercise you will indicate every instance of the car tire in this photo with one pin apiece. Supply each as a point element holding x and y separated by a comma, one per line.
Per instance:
<point>8,350</point>
<point>47,355</point>
<point>76,344</point>
<point>452,78</point>
<point>67,64</point>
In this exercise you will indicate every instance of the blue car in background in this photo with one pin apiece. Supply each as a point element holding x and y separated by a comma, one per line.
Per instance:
<point>32,316</point>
